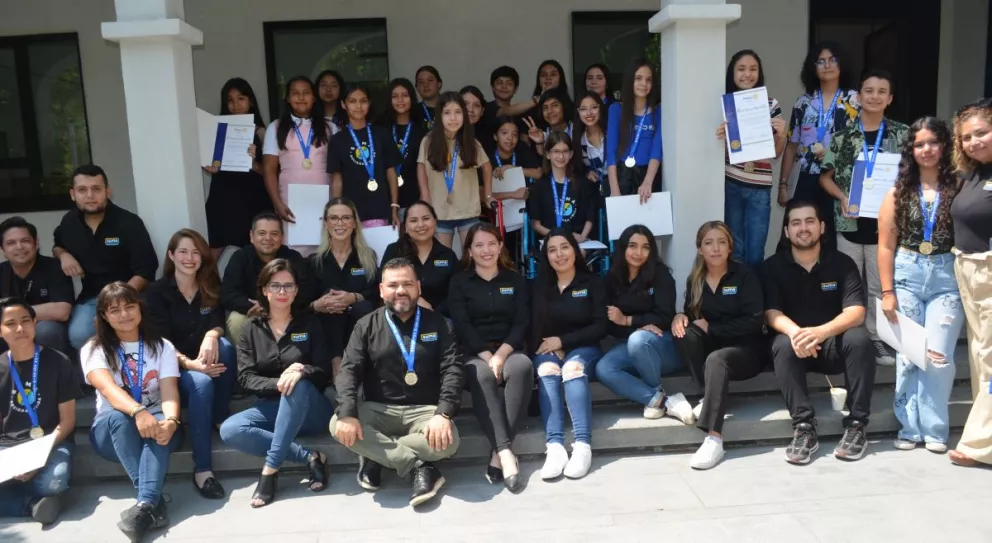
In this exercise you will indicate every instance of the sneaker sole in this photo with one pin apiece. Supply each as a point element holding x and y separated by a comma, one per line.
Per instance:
<point>365,485</point>
<point>904,446</point>
<point>703,467</point>
<point>417,500</point>
<point>804,461</point>
<point>851,458</point>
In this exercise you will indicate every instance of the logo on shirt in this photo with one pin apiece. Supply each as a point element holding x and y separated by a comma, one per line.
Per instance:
<point>506,290</point>
<point>729,291</point>
<point>43,292</point>
<point>297,338</point>
<point>206,310</point>
<point>441,264</point>
<point>651,291</point>
<point>358,271</point>
<point>428,337</point>
<point>828,286</point>
<point>580,293</point>
<point>112,242</point>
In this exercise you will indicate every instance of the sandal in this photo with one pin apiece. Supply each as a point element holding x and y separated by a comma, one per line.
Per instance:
<point>265,490</point>
<point>318,471</point>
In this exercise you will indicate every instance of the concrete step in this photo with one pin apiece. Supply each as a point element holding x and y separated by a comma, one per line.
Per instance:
<point>759,418</point>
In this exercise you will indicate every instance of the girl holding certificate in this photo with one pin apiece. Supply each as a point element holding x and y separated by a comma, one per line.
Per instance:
<point>329,87</point>
<point>633,136</point>
<point>407,135</point>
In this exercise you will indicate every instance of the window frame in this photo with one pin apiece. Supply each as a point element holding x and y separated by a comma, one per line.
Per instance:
<point>593,17</point>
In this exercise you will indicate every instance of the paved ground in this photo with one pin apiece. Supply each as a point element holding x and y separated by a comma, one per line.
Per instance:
<point>753,496</point>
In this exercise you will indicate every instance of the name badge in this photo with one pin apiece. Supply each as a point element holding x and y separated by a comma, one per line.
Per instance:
<point>828,286</point>
<point>358,271</point>
<point>729,291</point>
<point>508,291</point>
<point>206,310</point>
<point>297,338</point>
<point>441,264</point>
<point>580,293</point>
<point>112,242</point>
<point>428,337</point>
<point>651,291</point>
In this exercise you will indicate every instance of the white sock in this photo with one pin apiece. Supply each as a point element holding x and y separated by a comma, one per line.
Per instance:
<point>580,462</point>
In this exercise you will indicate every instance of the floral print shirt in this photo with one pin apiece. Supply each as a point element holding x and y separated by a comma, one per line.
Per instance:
<point>803,125</point>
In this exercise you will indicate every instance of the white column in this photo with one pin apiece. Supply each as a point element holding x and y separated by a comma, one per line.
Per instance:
<point>693,69</point>
<point>157,65</point>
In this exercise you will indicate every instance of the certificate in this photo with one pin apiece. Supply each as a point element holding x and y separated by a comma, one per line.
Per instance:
<point>749,126</point>
<point>225,139</point>
<point>624,211</point>
<point>513,179</point>
<point>379,237</point>
<point>307,203</point>
<point>25,457</point>
<point>865,198</point>
<point>906,336</point>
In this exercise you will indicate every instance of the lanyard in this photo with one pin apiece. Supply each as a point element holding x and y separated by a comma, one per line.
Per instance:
<point>304,146</point>
<point>870,163</point>
<point>27,400</point>
<point>499,161</point>
<point>427,115</point>
<point>367,155</point>
<point>568,131</point>
<point>825,114</point>
<point>929,215</point>
<point>559,204</point>
<point>408,355</point>
<point>449,174</point>
<point>135,379</point>
<point>637,136</point>
<point>402,146</point>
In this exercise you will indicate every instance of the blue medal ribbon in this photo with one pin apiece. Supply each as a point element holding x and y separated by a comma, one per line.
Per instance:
<point>136,379</point>
<point>449,174</point>
<point>305,147</point>
<point>427,115</point>
<point>27,400</point>
<point>368,159</point>
<point>824,114</point>
<point>411,354</point>
<point>929,215</point>
<point>402,146</point>
<point>559,204</point>
<point>637,133</point>
<point>870,163</point>
<point>499,161</point>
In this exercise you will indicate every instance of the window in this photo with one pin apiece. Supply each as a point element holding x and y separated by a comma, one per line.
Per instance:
<point>355,48</point>
<point>43,130</point>
<point>613,38</point>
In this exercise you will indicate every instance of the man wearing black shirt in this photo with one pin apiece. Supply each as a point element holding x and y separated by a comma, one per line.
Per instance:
<point>101,243</point>
<point>47,380</point>
<point>38,280</point>
<point>813,300</point>
<point>404,422</point>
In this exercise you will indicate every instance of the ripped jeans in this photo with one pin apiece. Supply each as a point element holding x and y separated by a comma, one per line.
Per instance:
<point>565,384</point>
<point>928,293</point>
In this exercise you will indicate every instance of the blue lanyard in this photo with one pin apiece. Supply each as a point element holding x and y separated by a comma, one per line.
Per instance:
<point>929,215</point>
<point>402,146</point>
<point>27,400</point>
<point>559,204</point>
<point>427,115</point>
<point>304,146</point>
<point>367,155</point>
<point>408,355</point>
<point>825,114</point>
<point>449,174</point>
<point>499,161</point>
<point>870,163</point>
<point>568,130</point>
<point>637,134</point>
<point>135,380</point>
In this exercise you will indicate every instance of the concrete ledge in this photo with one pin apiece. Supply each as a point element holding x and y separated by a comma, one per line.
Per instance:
<point>706,13</point>
<point>156,29</point>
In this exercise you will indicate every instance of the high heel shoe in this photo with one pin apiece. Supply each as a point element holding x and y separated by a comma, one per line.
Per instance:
<point>514,483</point>
<point>265,490</point>
<point>318,471</point>
<point>493,474</point>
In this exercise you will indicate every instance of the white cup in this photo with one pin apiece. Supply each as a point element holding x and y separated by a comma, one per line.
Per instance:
<point>838,397</point>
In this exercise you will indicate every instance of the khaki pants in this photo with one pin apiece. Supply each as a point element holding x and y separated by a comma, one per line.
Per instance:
<point>235,322</point>
<point>394,435</point>
<point>866,257</point>
<point>975,284</point>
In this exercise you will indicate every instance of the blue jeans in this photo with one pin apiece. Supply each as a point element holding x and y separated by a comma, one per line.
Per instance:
<point>746,211</point>
<point>268,428</point>
<point>209,402</point>
<point>52,479</point>
<point>633,368</point>
<point>928,293</point>
<point>556,391</point>
<point>115,437</point>
<point>81,327</point>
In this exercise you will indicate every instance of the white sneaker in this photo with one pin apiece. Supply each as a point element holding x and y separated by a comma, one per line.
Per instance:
<point>680,408</point>
<point>904,444</point>
<point>578,466</point>
<point>698,410</point>
<point>934,447</point>
<point>655,409</point>
<point>708,455</point>
<point>555,459</point>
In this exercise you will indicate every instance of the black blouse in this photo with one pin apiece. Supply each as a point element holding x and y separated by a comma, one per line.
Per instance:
<point>352,277</point>
<point>435,273</point>
<point>650,303</point>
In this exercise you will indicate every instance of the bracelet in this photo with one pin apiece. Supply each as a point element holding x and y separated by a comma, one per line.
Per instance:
<point>397,206</point>
<point>175,420</point>
<point>884,292</point>
<point>137,409</point>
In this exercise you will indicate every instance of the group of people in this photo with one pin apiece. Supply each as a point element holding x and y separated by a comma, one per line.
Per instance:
<point>398,337</point>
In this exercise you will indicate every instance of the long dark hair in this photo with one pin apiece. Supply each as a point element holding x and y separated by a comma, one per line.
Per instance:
<point>697,275</point>
<point>437,144</point>
<point>547,280</point>
<point>731,85</point>
<point>320,130</point>
<point>627,107</point>
<point>504,260</point>
<point>606,74</point>
<point>617,277</point>
<point>567,106</point>
<point>339,117</point>
<point>389,116</point>
<point>562,83</point>
<point>242,86</point>
<point>345,94</point>
<point>404,245</point>
<point>106,338</point>
<point>579,127</point>
<point>554,138</point>
<point>207,278</point>
<point>908,183</point>
<point>808,74</point>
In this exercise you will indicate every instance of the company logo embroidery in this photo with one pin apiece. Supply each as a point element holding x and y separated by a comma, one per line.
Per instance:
<point>651,291</point>
<point>206,310</point>
<point>829,286</point>
<point>112,242</point>
<point>441,264</point>
<point>430,336</point>
<point>580,293</point>
<point>43,292</point>
<point>729,291</point>
<point>358,271</point>
<point>506,290</point>
<point>296,338</point>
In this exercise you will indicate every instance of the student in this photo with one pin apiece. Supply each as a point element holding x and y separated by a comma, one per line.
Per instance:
<point>719,332</point>
<point>43,389</point>
<point>135,374</point>
<point>509,152</point>
<point>489,306</point>
<point>236,197</point>
<point>504,82</point>
<point>916,274</point>
<point>597,78</point>
<point>284,360</point>
<point>329,87</point>
<point>747,186</point>
<point>815,306</point>
<point>475,105</point>
<point>550,75</point>
<point>405,359</point>
<point>640,305</point>
<point>557,112</point>
<point>295,150</point>
<point>569,323</point>
<point>633,136</point>
<point>428,82</point>
<point>435,263</point>
<point>184,305</point>
<point>100,243</point>
<point>407,135</point>
<point>38,280</point>
<point>447,157</point>
<point>363,162</point>
<point>559,200</point>
<point>590,134</point>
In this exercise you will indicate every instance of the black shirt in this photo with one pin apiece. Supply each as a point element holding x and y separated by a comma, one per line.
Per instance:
<point>58,384</point>
<point>409,191</point>
<point>735,310</point>
<point>815,297</point>
<point>576,315</point>
<point>240,282</point>
<point>490,313</point>
<point>344,158</point>
<point>118,250</point>
<point>867,232</point>
<point>262,358</point>
<point>972,213</point>
<point>434,273</point>
<point>374,361</point>
<point>181,322</point>
<point>525,158</point>
<point>650,303</point>
<point>350,278</point>
<point>426,119</point>
<point>580,204</point>
<point>44,284</point>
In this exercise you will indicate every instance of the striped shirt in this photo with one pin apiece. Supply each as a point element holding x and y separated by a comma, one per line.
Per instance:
<point>757,173</point>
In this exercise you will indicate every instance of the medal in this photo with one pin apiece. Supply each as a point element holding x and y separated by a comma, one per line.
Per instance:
<point>870,159</point>
<point>559,204</point>
<point>823,116</point>
<point>449,175</point>
<point>402,146</point>
<point>817,148</point>
<point>399,180</point>
<point>749,167</point>
<point>28,400</point>
<point>450,199</point>
<point>630,162</point>
<point>307,164</point>
<point>926,248</point>
<point>37,433</point>
<point>304,147</point>
<point>410,378</point>
<point>367,155</point>
<point>929,216</point>
<point>372,185</point>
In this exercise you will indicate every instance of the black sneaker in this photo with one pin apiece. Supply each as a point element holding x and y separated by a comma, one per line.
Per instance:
<point>140,518</point>
<point>46,510</point>
<point>427,480</point>
<point>854,443</point>
<point>369,474</point>
<point>803,446</point>
<point>884,356</point>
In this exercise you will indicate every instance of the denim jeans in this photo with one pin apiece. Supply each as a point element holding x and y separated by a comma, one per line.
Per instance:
<point>208,402</point>
<point>115,437</point>
<point>928,293</point>
<point>81,326</point>
<point>555,392</point>
<point>633,368</point>
<point>52,479</point>
<point>746,210</point>
<point>268,428</point>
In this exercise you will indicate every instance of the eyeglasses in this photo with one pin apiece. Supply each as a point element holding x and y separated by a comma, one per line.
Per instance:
<point>288,288</point>
<point>586,110</point>
<point>559,152</point>
<point>821,62</point>
<point>344,219</point>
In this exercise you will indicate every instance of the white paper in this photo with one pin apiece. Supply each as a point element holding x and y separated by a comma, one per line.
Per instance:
<point>379,237</point>
<point>206,127</point>
<point>624,211</point>
<point>513,179</point>
<point>591,244</point>
<point>307,204</point>
<point>237,140</point>
<point>873,190</point>
<point>26,457</point>
<point>908,337</point>
<point>755,139</point>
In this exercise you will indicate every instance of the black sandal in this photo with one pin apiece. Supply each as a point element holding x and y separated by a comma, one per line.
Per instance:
<point>265,490</point>
<point>318,471</point>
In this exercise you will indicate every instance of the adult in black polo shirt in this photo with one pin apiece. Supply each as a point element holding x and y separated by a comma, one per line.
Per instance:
<point>47,379</point>
<point>38,280</point>
<point>435,263</point>
<point>490,309</point>
<point>239,294</point>
<point>814,303</point>
<point>560,199</point>
<point>101,243</point>
<point>406,360</point>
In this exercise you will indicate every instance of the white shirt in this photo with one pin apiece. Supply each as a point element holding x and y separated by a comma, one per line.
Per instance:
<point>163,365</point>
<point>271,145</point>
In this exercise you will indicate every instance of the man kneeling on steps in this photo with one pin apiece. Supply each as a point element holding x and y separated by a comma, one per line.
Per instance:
<point>406,360</point>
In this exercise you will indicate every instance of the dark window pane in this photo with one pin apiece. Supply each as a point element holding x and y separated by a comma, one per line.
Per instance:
<point>15,184</point>
<point>614,39</point>
<point>11,125</point>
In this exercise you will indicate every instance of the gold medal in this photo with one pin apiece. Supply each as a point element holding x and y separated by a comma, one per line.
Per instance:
<point>372,185</point>
<point>630,162</point>
<point>307,164</point>
<point>852,209</point>
<point>216,164</point>
<point>451,198</point>
<point>749,167</point>
<point>399,180</point>
<point>817,148</point>
<point>37,433</point>
<point>926,248</point>
<point>410,378</point>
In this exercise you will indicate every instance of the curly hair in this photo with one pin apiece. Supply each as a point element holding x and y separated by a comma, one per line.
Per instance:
<point>908,182</point>
<point>964,164</point>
